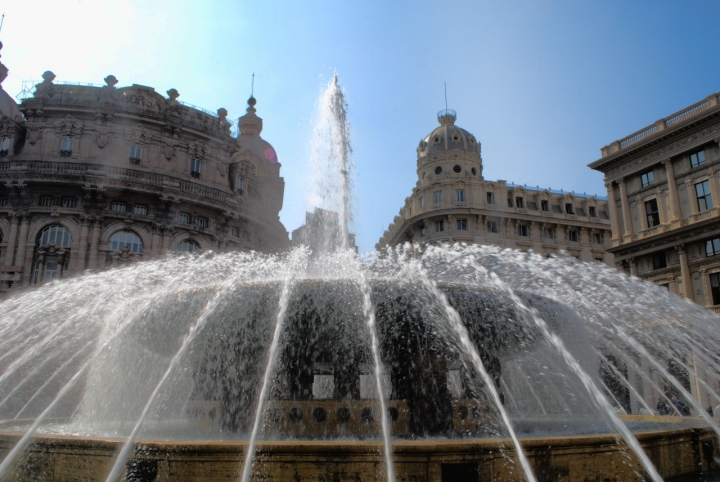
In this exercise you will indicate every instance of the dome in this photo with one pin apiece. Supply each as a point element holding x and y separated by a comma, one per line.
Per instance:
<point>448,137</point>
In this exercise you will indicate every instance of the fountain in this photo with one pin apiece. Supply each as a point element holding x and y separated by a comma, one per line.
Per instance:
<point>428,363</point>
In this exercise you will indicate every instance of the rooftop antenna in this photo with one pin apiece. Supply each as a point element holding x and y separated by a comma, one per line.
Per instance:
<point>1,20</point>
<point>252,86</point>
<point>445,96</point>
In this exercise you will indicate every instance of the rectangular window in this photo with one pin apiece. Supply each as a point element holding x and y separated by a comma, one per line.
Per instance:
<point>665,285</point>
<point>69,202</point>
<point>201,222</point>
<point>704,198</point>
<point>548,233</point>
<point>235,232</point>
<point>697,159</point>
<point>522,230</point>
<point>492,227</point>
<point>184,218</point>
<point>460,195</point>
<point>195,168</point>
<point>491,198</point>
<point>118,207</point>
<point>4,146</point>
<point>140,210</point>
<point>4,201</point>
<point>510,204</point>
<point>659,260</point>
<point>47,201</point>
<point>461,224</point>
<point>519,202</point>
<point>439,226</point>
<point>423,231</point>
<point>597,238</point>
<point>592,211</point>
<point>569,208</point>
<point>66,147</point>
<point>715,287</point>
<point>647,178</point>
<point>240,184</point>
<point>573,236</point>
<point>651,211</point>
<point>422,202</point>
<point>544,206</point>
<point>437,197</point>
<point>135,154</point>
<point>712,247</point>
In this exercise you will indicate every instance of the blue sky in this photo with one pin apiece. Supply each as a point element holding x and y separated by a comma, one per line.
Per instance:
<point>542,84</point>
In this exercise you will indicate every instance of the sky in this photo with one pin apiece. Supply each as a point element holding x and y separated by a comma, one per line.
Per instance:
<point>542,84</point>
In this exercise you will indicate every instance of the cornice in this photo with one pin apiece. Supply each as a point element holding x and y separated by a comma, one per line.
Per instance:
<point>651,143</point>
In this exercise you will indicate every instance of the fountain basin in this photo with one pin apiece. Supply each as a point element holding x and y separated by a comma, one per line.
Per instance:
<point>676,447</point>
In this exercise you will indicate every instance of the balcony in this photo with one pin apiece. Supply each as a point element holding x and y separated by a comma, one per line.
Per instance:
<point>702,216</point>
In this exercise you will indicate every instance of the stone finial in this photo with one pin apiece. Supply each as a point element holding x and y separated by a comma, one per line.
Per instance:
<point>46,88</point>
<point>173,94</point>
<point>111,81</point>
<point>250,124</point>
<point>223,124</point>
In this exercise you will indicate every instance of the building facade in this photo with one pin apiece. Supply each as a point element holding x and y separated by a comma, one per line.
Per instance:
<point>92,177</point>
<point>322,232</point>
<point>662,182</point>
<point>452,202</point>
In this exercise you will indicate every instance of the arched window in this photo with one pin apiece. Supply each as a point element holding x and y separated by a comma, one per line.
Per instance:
<point>253,168</point>
<point>52,256</point>
<point>188,246</point>
<point>56,233</point>
<point>125,239</point>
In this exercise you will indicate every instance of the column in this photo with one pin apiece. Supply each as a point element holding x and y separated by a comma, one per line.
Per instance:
<point>614,218</point>
<point>643,215</point>
<point>94,242</point>
<point>633,267</point>
<point>82,245</point>
<point>687,290</point>
<point>632,379</point>
<point>166,240</point>
<point>672,188</point>
<point>12,238</point>
<point>692,196</point>
<point>648,392</point>
<point>627,220</point>
<point>156,242</point>
<point>22,241</point>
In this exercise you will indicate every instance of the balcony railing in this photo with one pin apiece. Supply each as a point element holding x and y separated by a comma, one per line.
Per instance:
<point>661,125</point>
<point>86,170</point>
<point>512,185</point>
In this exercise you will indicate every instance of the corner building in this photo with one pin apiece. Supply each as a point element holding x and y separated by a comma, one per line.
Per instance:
<point>94,177</point>
<point>662,182</point>
<point>452,202</point>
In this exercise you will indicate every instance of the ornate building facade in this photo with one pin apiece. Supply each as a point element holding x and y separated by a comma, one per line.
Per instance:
<point>663,185</point>
<point>452,202</point>
<point>92,177</point>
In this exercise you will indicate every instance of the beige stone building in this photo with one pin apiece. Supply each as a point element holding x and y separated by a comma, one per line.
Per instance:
<point>92,177</point>
<point>452,202</point>
<point>663,185</point>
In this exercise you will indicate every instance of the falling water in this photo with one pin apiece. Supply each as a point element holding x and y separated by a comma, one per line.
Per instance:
<point>297,260</point>
<point>188,339</point>
<point>460,331</point>
<point>369,313</point>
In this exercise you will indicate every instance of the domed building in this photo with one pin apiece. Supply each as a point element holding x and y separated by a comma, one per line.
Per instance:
<point>98,176</point>
<point>452,202</point>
